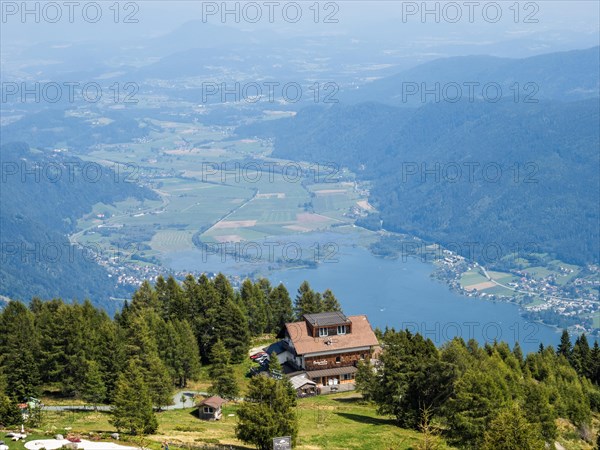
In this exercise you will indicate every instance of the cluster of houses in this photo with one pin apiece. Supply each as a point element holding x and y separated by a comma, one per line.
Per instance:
<point>319,355</point>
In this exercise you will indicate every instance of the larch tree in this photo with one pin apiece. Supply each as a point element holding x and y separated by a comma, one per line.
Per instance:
<point>132,409</point>
<point>221,373</point>
<point>510,430</point>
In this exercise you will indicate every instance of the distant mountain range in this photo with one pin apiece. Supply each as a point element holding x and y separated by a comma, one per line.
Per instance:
<point>571,75</point>
<point>516,175</point>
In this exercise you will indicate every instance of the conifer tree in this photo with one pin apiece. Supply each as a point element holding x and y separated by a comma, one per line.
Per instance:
<point>365,379</point>
<point>581,357</point>
<point>141,345</point>
<point>595,357</point>
<point>518,353</point>
<point>223,287</point>
<point>275,369</point>
<point>93,389</point>
<point>10,413</point>
<point>330,303</point>
<point>144,298</point>
<point>18,350</point>
<point>221,373</point>
<point>232,329</point>
<point>253,299</point>
<point>307,301</point>
<point>537,409</point>
<point>565,347</point>
<point>177,306</point>
<point>510,430</point>
<point>267,412</point>
<point>132,406</point>
<point>280,305</point>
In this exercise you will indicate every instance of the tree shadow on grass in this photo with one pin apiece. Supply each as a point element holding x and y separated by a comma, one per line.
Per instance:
<point>351,400</point>
<point>366,419</point>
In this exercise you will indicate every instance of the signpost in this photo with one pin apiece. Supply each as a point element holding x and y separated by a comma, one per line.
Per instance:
<point>282,443</point>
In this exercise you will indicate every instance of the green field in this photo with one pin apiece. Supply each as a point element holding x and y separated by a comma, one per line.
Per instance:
<point>248,202</point>
<point>328,422</point>
<point>472,277</point>
<point>333,422</point>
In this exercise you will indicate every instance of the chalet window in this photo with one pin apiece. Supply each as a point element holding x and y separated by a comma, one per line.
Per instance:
<point>338,359</point>
<point>341,329</point>
<point>323,332</point>
<point>208,410</point>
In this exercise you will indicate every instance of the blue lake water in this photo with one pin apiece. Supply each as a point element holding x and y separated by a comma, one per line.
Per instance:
<point>394,293</point>
<point>401,294</point>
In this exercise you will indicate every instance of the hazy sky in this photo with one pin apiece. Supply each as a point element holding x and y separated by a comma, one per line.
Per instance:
<point>362,17</point>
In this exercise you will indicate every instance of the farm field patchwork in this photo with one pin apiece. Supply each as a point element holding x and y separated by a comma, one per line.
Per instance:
<point>250,201</point>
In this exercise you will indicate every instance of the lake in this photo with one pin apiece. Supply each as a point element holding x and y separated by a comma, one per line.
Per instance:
<point>401,294</point>
<point>394,293</point>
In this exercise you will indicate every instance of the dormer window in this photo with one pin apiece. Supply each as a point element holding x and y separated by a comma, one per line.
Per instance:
<point>341,329</point>
<point>323,332</point>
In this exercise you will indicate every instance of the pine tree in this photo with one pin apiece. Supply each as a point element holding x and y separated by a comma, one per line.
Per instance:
<point>565,347</point>
<point>330,303</point>
<point>412,376</point>
<point>510,430</point>
<point>479,394</point>
<point>365,379</point>
<point>518,353</point>
<point>221,373</point>
<point>275,369</point>
<point>18,350</point>
<point>538,410</point>
<point>188,363</point>
<point>75,348</point>
<point>253,299</point>
<point>280,305</point>
<point>263,286</point>
<point>132,406</point>
<point>162,296</point>
<point>232,329</point>
<point>10,413</point>
<point>93,389</point>
<point>111,355</point>
<point>190,293</point>
<point>595,357</point>
<point>179,351</point>
<point>581,357</point>
<point>206,310</point>
<point>223,287</point>
<point>307,301</point>
<point>267,412</point>
<point>159,381</point>
<point>144,298</point>
<point>141,344</point>
<point>177,305</point>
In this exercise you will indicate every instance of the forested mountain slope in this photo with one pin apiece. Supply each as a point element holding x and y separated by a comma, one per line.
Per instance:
<point>515,175</point>
<point>42,196</point>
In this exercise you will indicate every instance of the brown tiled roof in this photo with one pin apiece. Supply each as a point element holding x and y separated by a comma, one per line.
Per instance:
<point>362,336</point>
<point>214,401</point>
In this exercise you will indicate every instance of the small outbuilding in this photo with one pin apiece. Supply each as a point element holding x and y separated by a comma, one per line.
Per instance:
<point>304,387</point>
<point>210,408</point>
